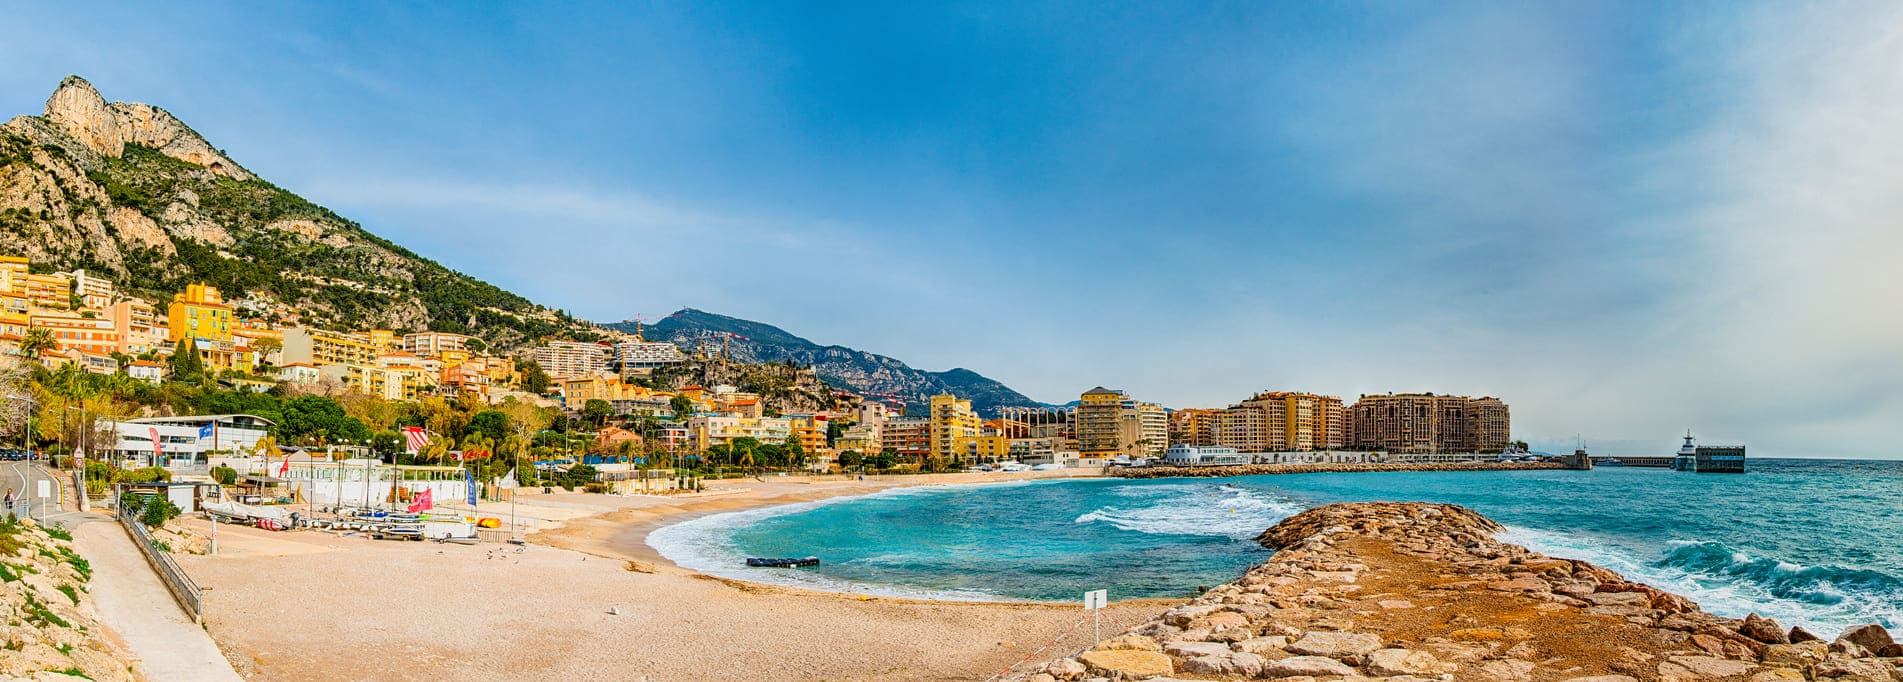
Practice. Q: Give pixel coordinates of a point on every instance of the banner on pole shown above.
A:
(469, 483)
(1096, 599)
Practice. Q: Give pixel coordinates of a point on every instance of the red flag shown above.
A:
(422, 502)
(286, 468)
(158, 447)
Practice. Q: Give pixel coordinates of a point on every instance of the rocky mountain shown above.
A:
(129, 191)
(871, 374)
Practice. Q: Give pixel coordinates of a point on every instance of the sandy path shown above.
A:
(594, 603)
(131, 600)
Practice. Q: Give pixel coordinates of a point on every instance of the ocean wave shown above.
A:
(1733, 583)
(1225, 511)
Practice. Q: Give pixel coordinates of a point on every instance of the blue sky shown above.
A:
(1624, 219)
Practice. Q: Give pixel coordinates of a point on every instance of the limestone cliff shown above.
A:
(129, 191)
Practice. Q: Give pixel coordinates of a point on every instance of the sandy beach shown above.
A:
(587, 599)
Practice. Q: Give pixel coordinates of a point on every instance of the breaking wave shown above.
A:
(1733, 583)
(1225, 511)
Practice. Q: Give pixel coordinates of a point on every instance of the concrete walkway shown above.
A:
(134, 603)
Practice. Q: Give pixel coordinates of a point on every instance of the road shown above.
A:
(128, 594)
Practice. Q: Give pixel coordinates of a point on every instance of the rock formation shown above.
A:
(50, 629)
(1410, 591)
(77, 109)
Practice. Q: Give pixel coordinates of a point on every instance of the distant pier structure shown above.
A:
(1578, 461)
(1709, 459)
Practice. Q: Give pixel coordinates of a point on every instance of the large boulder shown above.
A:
(1335, 644)
(1307, 666)
(1870, 636)
(1763, 629)
(1391, 662)
(1130, 664)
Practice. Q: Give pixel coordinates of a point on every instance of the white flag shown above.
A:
(508, 481)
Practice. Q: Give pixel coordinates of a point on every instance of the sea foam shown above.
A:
(1194, 509)
(1732, 583)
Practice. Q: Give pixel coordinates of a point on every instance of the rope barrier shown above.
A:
(1066, 634)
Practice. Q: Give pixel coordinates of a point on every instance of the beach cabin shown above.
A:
(1180, 455)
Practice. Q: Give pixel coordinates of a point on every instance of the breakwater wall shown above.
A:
(1319, 467)
(1421, 592)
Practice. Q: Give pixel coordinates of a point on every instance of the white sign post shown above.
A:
(45, 490)
(1094, 601)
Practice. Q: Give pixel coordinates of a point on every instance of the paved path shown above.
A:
(132, 601)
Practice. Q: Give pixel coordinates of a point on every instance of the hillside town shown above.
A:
(624, 401)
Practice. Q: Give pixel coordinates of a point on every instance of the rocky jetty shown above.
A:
(1411, 591)
(1318, 468)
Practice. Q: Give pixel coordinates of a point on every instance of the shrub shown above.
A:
(224, 475)
(147, 475)
(157, 511)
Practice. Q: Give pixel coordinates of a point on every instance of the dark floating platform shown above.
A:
(765, 562)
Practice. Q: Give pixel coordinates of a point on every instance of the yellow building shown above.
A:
(49, 291)
(200, 314)
(1099, 413)
(13, 275)
(982, 448)
(384, 340)
(950, 419)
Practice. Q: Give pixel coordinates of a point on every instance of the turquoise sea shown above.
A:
(1811, 542)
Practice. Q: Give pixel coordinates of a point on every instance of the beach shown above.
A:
(587, 599)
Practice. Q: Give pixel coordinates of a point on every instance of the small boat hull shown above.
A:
(772, 562)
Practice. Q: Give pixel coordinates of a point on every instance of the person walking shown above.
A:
(9, 500)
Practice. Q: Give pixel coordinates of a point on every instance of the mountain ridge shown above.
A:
(864, 372)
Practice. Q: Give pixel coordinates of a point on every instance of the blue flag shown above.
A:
(207, 430)
(469, 483)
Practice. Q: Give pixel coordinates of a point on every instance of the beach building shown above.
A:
(1196, 455)
(183, 444)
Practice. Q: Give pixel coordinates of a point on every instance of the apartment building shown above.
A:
(951, 420)
(200, 315)
(433, 344)
(138, 325)
(1279, 421)
(53, 291)
(13, 271)
(1099, 411)
(908, 436)
(1425, 422)
(320, 347)
(638, 358)
(198, 312)
(978, 449)
(95, 292)
(570, 359)
(1195, 426)
(92, 335)
(706, 431)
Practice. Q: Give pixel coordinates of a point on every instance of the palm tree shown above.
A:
(38, 340)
